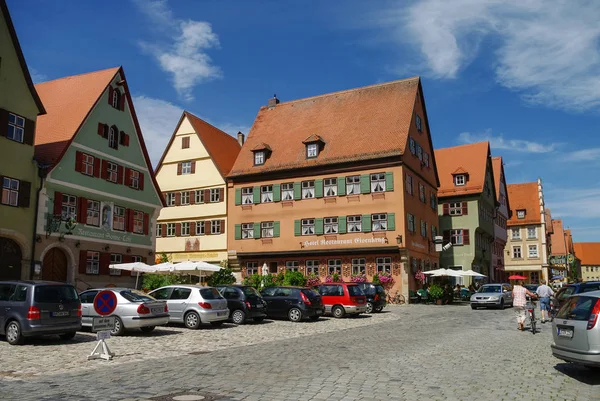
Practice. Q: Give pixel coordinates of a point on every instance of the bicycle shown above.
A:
(396, 299)
(532, 319)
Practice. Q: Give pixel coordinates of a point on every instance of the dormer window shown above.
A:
(460, 179)
(521, 214)
(312, 150)
(114, 102)
(259, 158)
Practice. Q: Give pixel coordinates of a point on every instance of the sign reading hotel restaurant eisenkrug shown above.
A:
(355, 241)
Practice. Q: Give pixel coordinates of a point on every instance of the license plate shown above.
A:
(157, 311)
(60, 314)
(220, 313)
(320, 312)
(361, 302)
(565, 333)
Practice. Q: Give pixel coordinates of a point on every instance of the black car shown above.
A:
(293, 303)
(244, 303)
(33, 308)
(565, 292)
(375, 296)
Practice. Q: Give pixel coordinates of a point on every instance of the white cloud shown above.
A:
(499, 143)
(571, 202)
(185, 56)
(548, 53)
(592, 154)
(37, 76)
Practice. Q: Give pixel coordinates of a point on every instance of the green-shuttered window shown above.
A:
(318, 188)
(276, 229)
(238, 196)
(391, 221)
(238, 231)
(297, 191)
(389, 181)
(366, 223)
(341, 183)
(342, 224)
(365, 186)
(276, 192)
(297, 228)
(319, 226)
(256, 230)
(256, 195)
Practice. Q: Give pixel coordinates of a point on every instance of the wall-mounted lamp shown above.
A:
(38, 239)
(77, 244)
(399, 240)
(106, 248)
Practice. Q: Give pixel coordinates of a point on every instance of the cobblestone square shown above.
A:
(407, 353)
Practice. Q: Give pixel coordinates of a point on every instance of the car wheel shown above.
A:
(379, 309)
(295, 315)
(338, 312)
(258, 319)
(67, 336)
(238, 316)
(217, 324)
(501, 304)
(473, 306)
(369, 307)
(13, 333)
(118, 328)
(192, 320)
(147, 329)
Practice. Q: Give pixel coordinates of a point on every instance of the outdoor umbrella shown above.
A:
(436, 271)
(472, 273)
(138, 267)
(449, 272)
(517, 277)
(189, 267)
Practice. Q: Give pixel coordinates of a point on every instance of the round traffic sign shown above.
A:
(105, 302)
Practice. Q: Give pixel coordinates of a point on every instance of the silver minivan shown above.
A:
(193, 304)
(576, 330)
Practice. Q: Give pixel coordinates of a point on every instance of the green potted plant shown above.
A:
(436, 292)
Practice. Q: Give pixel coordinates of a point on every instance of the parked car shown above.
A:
(33, 308)
(293, 303)
(135, 310)
(244, 303)
(565, 292)
(342, 299)
(193, 305)
(532, 287)
(576, 330)
(375, 294)
(494, 295)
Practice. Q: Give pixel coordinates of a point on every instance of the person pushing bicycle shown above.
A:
(520, 301)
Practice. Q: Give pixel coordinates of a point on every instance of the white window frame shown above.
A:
(455, 209)
(113, 138)
(119, 219)
(215, 195)
(521, 214)
(359, 265)
(287, 191)
(198, 196)
(383, 264)
(10, 191)
(330, 187)
(170, 229)
(93, 213)
(312, 150)
(17, 123)
(460, 180)
(312, 267)
(114, 102)
(353, 185)
(87, 167)
(292, 265)
(170, 199)
(379, 222)
(185, 198)
(517, 231)
(534, 236)
(259, 158)
(186, 168)
(200, 227)
(266, 229)
(534, 254)
(330, 225)
(115, 258)
(517, 250)
(334, 266)
(457, 236)
(135, 179)
(215, 227)
(378, 182)
(159, 230)
(112, 172)
(308, 226)
(92, 263)
(266, 193)
(247, 230)
(354, 224)
(308, 189)
(185, 229)
(251, 268)
(247, 196)
(69, 207)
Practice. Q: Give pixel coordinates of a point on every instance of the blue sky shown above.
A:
(517, 73)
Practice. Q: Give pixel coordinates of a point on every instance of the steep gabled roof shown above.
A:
(524, 197)
(471, 159)
(498, 166)
(588, 252)
(221, 147)
(24, 69)
(68, 102)
(360, 124)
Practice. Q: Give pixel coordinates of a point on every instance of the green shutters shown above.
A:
(238, 231)
(297, 191)
(391, 221)
(342, 225)
(366, 223)
(318, 188)
(256, 230)
(389, 181)
(341, 186)
(276, 192)
(319, 226)
(238, 196)
(256, 195)
(297, 228)
(365, 185)
(276, 229)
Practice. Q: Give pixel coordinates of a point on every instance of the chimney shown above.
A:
(273, 101)
(240, 138)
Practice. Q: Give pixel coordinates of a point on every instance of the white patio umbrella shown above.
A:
(436, 271)
(473, 273)
(189, 267)
(138, 267)
(449, 272)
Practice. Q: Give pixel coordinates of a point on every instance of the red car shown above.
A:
(341, 299)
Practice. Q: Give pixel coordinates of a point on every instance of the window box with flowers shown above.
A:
(385, 279)
(358, 278)
(312, 280)
(334, 278)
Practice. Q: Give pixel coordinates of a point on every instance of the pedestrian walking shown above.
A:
(544, 292)
(519, 301)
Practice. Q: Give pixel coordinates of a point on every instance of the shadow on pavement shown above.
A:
(55, 340)
(580, 373)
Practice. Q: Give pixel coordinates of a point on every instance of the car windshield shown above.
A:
(355, 291)
(380, 289)
(136, 296)
(55, 294)
(250, 291)
(577, 308)
(566, 293)
(490, 288)
(531, 287)
(210, 293)
(310, 293)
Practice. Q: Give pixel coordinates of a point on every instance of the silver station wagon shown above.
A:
(193, 304)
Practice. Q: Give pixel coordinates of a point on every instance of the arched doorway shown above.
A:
(10, 259)
(54, 266)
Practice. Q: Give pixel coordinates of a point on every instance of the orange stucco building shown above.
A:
(339, 183)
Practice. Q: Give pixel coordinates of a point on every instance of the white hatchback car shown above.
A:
(193, 304)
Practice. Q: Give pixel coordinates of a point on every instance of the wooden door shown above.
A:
(54, 266)
(10, 260)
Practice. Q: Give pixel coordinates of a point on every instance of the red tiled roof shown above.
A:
(468, 159)
(588, 252)
(557, 238)
(524, 197)
(358, 124)
(221, 147)
(68, 101)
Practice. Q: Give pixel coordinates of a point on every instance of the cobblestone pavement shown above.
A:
(409, 353)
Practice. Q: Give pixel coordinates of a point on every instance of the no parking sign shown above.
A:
(105, 303)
